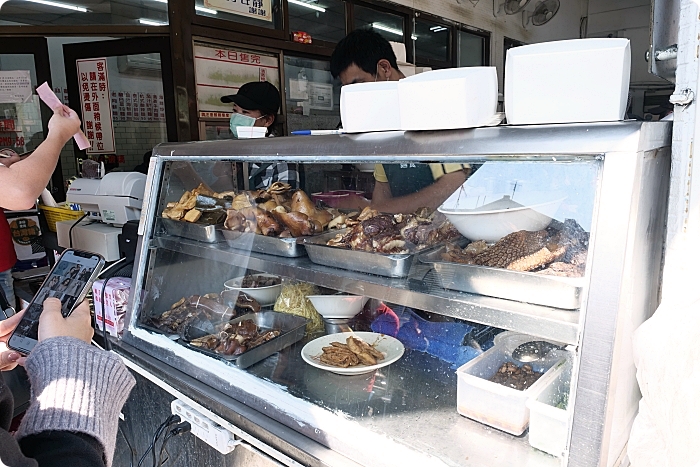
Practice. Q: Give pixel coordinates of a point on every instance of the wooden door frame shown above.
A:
(117, 47)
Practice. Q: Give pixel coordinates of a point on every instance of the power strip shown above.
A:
(205, 429)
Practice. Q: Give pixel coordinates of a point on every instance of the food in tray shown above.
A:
(560, 250)
(204, 310)
(251, 281)
(397, 233)
(235, 338)
(516, 377)
(294, 300)
(200, 205)
(353, 352)
(278, 212)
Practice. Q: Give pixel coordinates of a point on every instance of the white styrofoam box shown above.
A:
(494, 404)
(370, 107)
(251, 132)
(579, 80)
(549, 425)
(448, 99)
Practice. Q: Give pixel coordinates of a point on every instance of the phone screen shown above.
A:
(67, 281)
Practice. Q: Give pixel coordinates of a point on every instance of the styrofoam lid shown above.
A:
(371, 86)
(450, 73)
(570, 45)
(399, 49)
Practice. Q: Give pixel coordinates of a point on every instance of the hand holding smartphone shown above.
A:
(69, 281)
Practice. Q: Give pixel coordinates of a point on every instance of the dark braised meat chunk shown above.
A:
(234, 339)
(516, 377)
(382, 223)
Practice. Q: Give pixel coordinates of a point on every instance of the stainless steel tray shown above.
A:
(293, 329)
(290, 247)
(198, 232)
(354, 260)
(557, 292)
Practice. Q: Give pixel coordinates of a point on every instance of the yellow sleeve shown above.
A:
(379, 174)
(439, 170)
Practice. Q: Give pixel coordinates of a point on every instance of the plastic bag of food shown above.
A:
(293, 299)
(668, 371)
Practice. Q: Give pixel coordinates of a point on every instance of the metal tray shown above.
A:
(289, 247)
(293, 329)
(557, 292)
(198, 232)
(354, 260)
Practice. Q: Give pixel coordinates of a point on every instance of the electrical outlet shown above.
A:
(205, 429)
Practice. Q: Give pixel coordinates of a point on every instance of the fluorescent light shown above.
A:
(381, 27)
(435, 27)
(61, 5)
(438, 28)
(208, 11)
(150, 22)
(308, 5)
(414, 37)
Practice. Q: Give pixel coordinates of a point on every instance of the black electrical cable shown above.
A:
(70, 231)
(171, 420)
(132, 451)
(180, 428)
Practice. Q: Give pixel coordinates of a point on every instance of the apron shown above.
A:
(405, 179)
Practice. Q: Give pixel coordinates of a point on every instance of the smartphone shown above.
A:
(69, 280)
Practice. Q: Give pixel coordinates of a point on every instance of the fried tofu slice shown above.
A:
(193, 215)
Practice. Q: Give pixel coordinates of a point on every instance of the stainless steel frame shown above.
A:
(626, 246)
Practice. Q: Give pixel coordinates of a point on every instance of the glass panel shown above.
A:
(21, 128)
(388, 25)
(262, 13)
(137, 104)
(81, 12)
(471, 49)
(432, 41)
(195, 279)
(313, 96)
(221, 71)
(323, 19)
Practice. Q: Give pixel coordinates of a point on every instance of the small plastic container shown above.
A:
(494, 404)
(549, 425)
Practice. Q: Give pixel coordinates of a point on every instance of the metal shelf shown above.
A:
(419, 290)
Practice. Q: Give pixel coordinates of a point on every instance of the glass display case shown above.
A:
(475, 309)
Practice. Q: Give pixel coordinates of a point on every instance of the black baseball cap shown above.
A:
(260, 95)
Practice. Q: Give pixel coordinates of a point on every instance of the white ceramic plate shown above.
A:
(391, 348)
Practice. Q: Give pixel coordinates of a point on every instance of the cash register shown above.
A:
(109, 204)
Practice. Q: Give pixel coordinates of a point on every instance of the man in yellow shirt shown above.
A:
(365, 56)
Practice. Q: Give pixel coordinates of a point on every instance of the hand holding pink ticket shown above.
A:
(46, 94)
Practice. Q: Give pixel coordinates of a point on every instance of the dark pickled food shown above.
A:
(516, 377)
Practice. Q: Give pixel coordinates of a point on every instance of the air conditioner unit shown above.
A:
(142, 64)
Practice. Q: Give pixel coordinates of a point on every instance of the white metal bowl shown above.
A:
(338, 306)
(266, 296)
(493, 221)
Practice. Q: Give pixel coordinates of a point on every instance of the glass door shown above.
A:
(123, 89)
(24, 64)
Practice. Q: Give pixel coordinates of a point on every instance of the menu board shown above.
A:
(258, 9)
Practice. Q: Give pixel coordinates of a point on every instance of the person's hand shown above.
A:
(53, 324)
(64, 123)
(8, 358)
(8, 161)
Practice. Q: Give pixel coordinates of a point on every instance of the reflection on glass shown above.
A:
(388, 25)
(313, 96)
(322, 19)
(471, 49)
(262, 13)
(80, 12)
(432, 41)
(21, 128)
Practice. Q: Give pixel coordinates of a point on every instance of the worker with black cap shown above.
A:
(257, 104)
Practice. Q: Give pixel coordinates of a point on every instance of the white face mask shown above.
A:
(237, 120)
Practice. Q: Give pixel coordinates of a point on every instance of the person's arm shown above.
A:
(77, 393)
(23, 181)
(429, 197)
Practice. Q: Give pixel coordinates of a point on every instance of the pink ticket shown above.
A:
(46, 94)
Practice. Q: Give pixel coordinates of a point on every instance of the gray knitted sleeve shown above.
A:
(78, 388)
